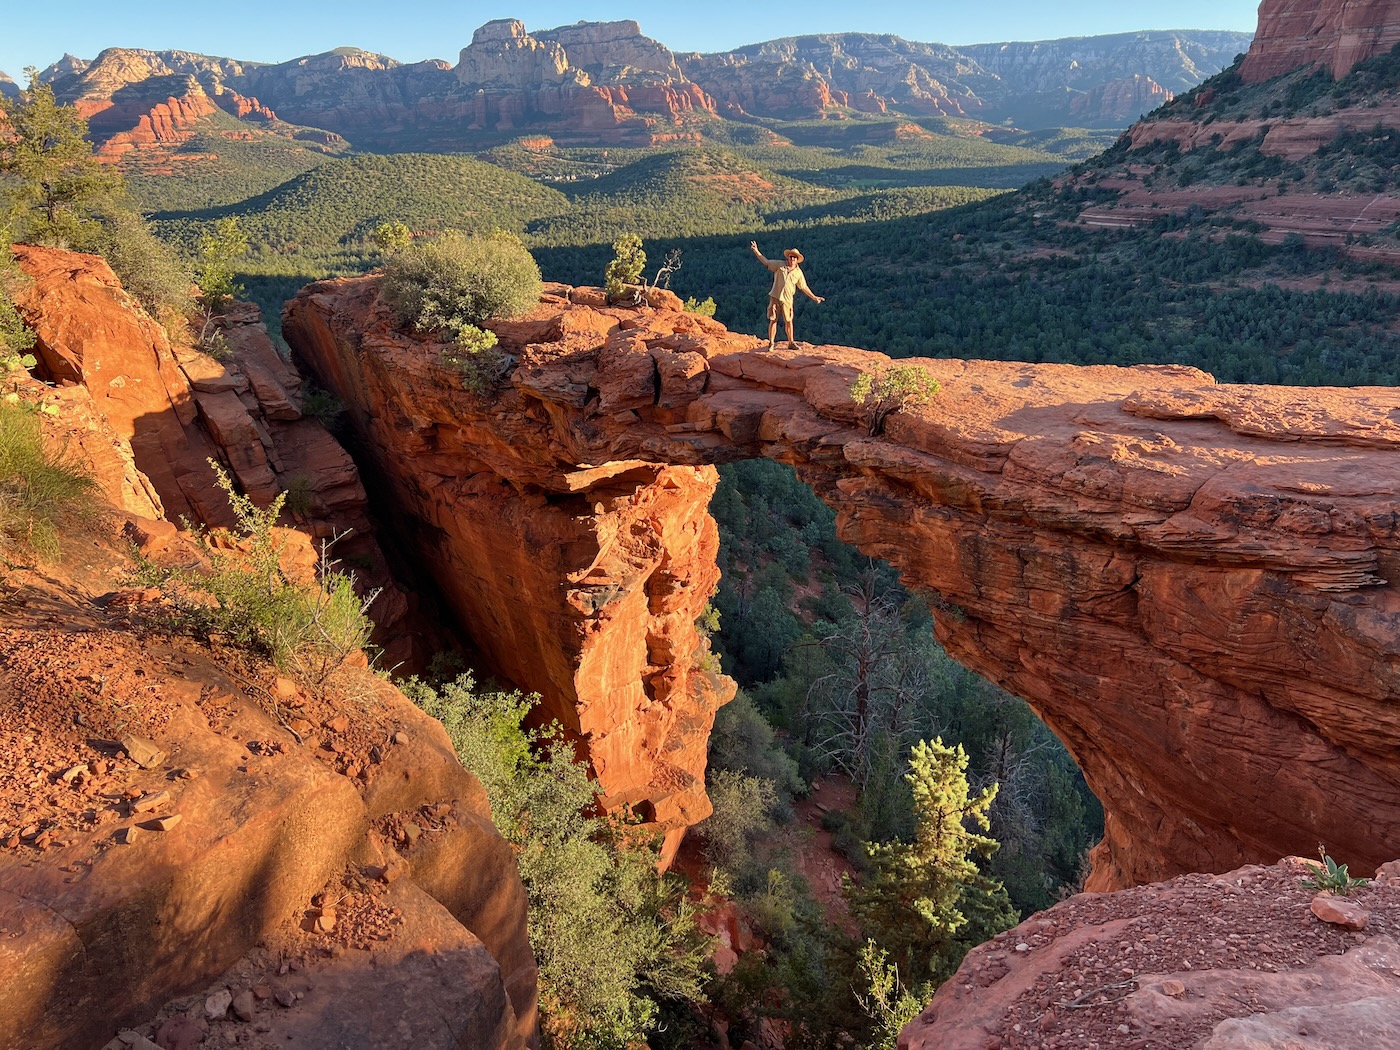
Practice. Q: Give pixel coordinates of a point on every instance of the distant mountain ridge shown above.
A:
(1300, 141)
(605, 83)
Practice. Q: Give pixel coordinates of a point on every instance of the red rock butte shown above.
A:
(1192, 583)
(1334, 35)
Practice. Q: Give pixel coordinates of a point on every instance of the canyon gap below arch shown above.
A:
(1189, 582)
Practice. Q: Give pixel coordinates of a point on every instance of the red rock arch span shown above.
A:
(1191, 583)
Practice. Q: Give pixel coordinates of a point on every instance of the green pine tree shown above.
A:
(926, 902)
(56, 185)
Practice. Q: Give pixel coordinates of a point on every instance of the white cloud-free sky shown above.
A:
(38, 33)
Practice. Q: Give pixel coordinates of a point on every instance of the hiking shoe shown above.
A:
(792, 346)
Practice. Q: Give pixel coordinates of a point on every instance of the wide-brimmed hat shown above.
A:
(793, 253)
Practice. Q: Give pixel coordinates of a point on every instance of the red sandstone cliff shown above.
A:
(143, 105)
(189, 843)
(579, 578)
(1333, 34)
(1195, 585)
(175, 408)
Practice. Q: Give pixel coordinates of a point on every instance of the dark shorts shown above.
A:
(777, 308)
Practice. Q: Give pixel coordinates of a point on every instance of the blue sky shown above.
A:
(260, 30)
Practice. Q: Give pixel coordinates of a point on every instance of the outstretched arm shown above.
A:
(753, 247)
(809, 293)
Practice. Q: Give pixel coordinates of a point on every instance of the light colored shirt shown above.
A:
(786, 281)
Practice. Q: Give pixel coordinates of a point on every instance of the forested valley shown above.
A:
(944, 246)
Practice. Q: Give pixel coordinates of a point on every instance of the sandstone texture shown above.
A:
(1334, 35)
(579, 581)
(143, 106)
(150, 414)
(1229, 962)
(175, 812)
(1193, 584)
(169, 812)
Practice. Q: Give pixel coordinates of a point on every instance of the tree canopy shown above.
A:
(53, 183)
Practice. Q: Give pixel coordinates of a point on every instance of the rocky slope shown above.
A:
(1270, 147)
(1238, 961)
(8, 87)
(159, 412)
(1193, 584)
(606, 83)
(174, 813)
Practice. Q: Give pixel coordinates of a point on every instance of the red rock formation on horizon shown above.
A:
(1119, 100)
(604, 83)
(1332, 34)
(1193, 584)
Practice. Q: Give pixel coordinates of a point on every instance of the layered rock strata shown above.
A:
(579, 581)
(605, 83)
(161, 411)
(1334, 35)
(1191, 583)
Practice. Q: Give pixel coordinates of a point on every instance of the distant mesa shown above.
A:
(605, 83)
(8, 87)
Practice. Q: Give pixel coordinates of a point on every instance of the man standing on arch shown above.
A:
(787, 279)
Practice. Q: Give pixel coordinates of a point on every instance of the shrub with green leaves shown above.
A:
(1331, 877)
(392, 237)
(149, 269)
(219, 248)
(246, 595)
(16, 339)
(40, 492)
(612, 938)
(626, 266)
(886, 1001)
(892, 389)
(451, 285)
(322, 406)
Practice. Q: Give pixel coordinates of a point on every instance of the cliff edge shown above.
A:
(1196, 585)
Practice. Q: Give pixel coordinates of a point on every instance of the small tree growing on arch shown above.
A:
(892, 388)
(626, 267)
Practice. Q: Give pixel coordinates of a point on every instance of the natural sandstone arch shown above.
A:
(1189, 582)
